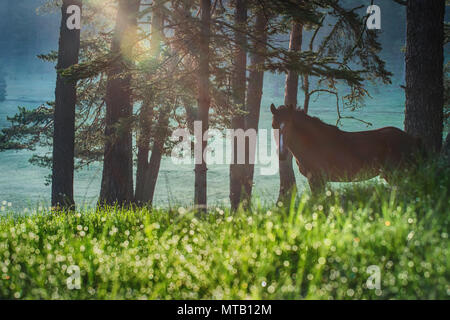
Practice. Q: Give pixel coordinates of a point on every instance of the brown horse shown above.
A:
(326, 153)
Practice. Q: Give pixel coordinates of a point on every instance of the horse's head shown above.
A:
(282, 120)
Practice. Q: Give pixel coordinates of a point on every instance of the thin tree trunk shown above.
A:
(254, 95)
(237, 171)
(424, 71)
(204, 100)
(147, 113)
(64, 114)
(151, 175)
(143, 144)
(287, 177)
(307, 94)
(117, 179)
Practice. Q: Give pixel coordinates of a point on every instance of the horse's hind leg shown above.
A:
(317, 184)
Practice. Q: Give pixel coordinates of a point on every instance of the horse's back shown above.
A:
(381, 135)
(399, 146)
(381, 147)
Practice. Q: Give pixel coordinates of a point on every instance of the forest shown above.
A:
(138, 71)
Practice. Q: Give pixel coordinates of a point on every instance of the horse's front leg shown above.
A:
(317, 184)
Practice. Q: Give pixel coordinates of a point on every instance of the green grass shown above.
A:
(316, 248)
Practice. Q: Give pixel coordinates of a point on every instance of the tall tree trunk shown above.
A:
(254, 95)
(117, 179)
(424, 71)
(204, 100)
(287, 177)
(237, 171)
(143, 144)
(152, 172)
(64, 114)
(147, 113)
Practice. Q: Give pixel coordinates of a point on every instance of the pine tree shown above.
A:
(144, 191)
(237, 170)
(204, 100)
(287, 178)
(117, 178)
(254, 94)
(64, 113)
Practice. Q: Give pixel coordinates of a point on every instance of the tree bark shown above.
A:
(237, 171)
(254, 95)
(152, 172)
(143, 144)
(117, 179)
(287, 177)
(424, 71)
(146, 115)
(307, 93)
(204, 99)
(64, 114)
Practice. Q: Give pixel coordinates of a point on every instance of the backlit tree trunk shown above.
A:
(287, 177)
(143, 143)
(424, 71)
(117, 179)
(152, 172)
(64, 114)
(204, 100)
(146, 115)
(237, 171)
(254, 95)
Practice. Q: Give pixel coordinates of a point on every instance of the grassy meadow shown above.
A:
(313, 248)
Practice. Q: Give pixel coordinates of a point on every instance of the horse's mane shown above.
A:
(300, 115)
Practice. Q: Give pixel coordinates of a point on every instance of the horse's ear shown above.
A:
(273, 109)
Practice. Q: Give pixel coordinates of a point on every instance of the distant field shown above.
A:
(317, 248)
